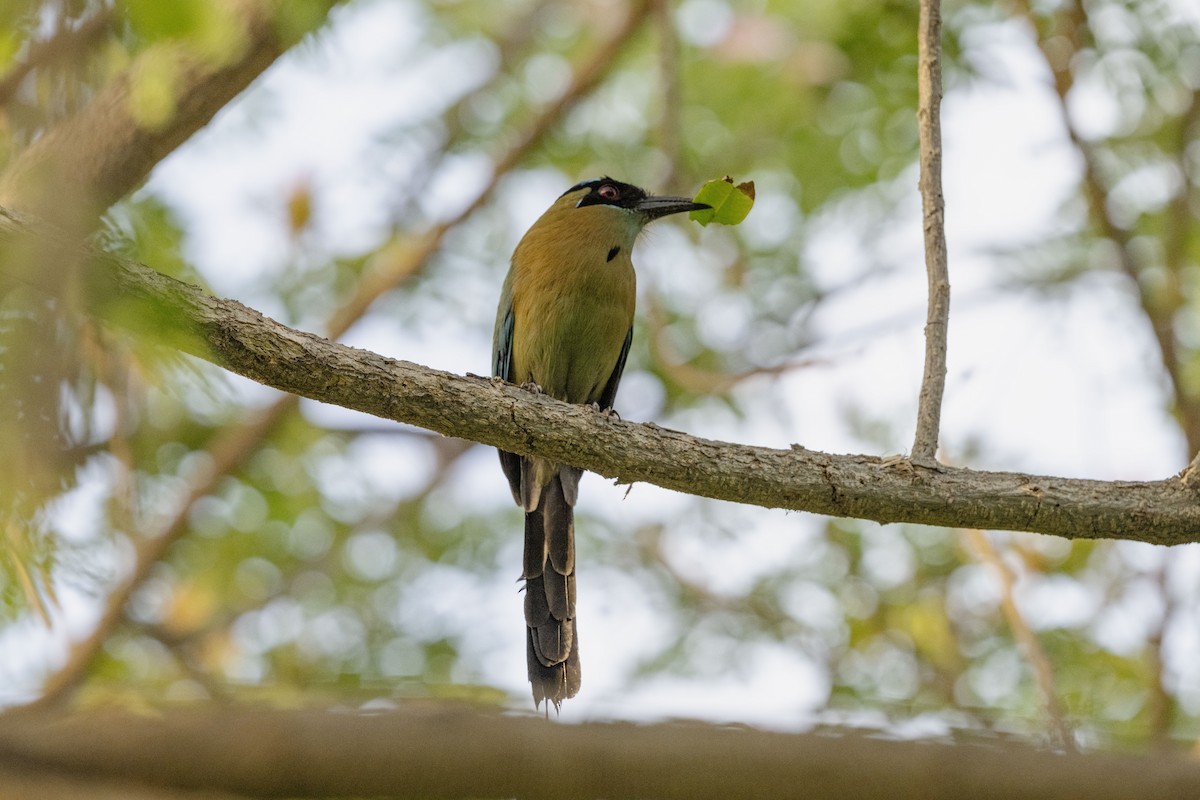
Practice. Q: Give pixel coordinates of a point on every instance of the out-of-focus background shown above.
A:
(321, 556)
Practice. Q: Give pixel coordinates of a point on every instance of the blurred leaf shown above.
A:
(299, 208)
(297, 18)
(154, 20)
(154, 88)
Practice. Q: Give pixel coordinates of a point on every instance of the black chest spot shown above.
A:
(613, 253)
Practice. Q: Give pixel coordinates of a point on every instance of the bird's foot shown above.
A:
(607, 413)
(532, 387)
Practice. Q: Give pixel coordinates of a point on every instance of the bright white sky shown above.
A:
(1065, 386)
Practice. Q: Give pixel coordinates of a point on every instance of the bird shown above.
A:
(563, 328)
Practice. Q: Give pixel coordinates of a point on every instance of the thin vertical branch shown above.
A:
(1026, 639)
(929, 131)
(1178, 241)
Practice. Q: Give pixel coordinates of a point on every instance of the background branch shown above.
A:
(66, 43)
(1043, 673)
(102, 153)
(1161, 704)
(230, 450)
(1161, 308)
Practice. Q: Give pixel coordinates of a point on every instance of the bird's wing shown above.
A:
(609, 395)
(502, 344)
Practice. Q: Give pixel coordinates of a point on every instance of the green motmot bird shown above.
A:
(564, 323)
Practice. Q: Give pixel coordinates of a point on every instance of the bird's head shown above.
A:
(608, 202)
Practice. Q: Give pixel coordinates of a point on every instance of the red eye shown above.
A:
(608, 192)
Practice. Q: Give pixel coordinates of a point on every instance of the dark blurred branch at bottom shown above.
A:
(449, 752)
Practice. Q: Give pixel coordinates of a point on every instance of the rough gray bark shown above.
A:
(434, 751)
(244, 341)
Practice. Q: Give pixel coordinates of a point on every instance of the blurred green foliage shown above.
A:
(354, 561)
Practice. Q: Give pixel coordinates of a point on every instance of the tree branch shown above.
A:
(929, 132)
(100, 154)
(1027, 640)
(66, 43)
(1161, 705)
(227, 453)
(55, 786)
(454, 753)
(1161, 308)
(244, 341)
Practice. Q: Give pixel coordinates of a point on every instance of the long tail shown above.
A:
(552, 643)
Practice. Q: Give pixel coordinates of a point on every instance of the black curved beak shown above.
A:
(655, 207)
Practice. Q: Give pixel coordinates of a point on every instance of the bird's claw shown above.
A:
(531, 387)
(607, 413)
